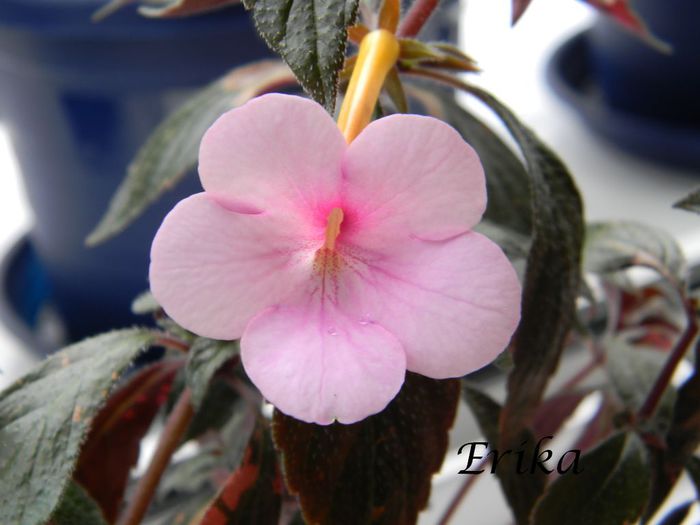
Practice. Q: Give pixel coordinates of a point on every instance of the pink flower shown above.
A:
(338, 266)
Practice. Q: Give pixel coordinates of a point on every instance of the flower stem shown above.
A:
(461, 494)
(416, 17)
(175, 427)
(657, 391)
(379, 51)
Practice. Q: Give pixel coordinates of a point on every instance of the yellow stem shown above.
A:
(379, 51)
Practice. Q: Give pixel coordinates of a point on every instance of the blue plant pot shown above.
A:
(79, 100)
(637, 79)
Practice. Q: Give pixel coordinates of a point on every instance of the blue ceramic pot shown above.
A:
(637, 79)
(79, 99)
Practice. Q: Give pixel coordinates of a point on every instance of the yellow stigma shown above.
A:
(379, 51)
(335, 218)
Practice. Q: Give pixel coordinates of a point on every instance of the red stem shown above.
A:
(175, 427)
(461, 494)
(416, 17)
(664, 378)
(172, 343)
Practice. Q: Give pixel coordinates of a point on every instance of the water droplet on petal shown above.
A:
(332, 330)
(365, 320)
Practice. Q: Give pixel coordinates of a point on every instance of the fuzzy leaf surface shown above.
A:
(310, 35)
(46, 415)
(377, 470)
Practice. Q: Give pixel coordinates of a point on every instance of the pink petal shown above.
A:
(317, 365)
(453, 304)
(411, 176)
(213, 269)
(274, 152)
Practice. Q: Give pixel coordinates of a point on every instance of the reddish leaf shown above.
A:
(519, 7)
(552, 413)
(622, 12)
(375, 471)
(252, 495)
(178, 8)
(112, 446)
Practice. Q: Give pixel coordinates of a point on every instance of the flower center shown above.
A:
(335, 218)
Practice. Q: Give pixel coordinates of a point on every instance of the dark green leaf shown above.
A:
(45, 416)
(521, 490)
(252, 495)
(217, 407)
(552, 282)
(113, 443)
(553, 273)
(77, 507)
(633, 372)
(690, 202)
(684, 436)
(374, 471)
(613, 246)
(693, 468)
(611, 489)
(485, 409)
(172, 149)
(206, 357)
(677, 515)
(310, 35)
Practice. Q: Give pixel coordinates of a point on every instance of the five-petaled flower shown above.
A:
(339, 266)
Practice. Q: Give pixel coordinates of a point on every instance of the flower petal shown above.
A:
(411, 176)
(213, 269)
(317, 365)
(274, 151)
(454, 304)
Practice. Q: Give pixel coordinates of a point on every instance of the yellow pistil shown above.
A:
(379, 51)
(335, 218)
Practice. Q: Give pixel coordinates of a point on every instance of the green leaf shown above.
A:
(690, 202)
(693, 468)
(45, 416)
(144, 304)
(377, 470)
(205, 358)
(310, 35)
(614, 246)
(552, 278)
(521, 496)
(611, 489)
(633, 372)
(172, 150)
(77, 507)
(678, 514)
(113, 444)
(552, 282)
(684, 435)
(252, 495)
